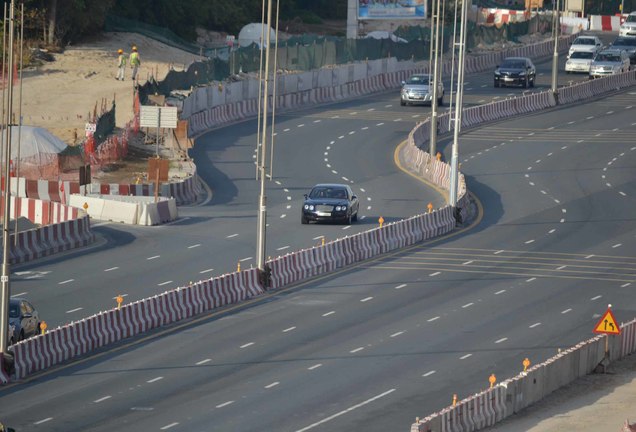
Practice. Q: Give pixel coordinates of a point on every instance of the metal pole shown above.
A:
(17, 159)
(260, 91)
(262, 209)
(433, 137)
(452, 196)
(158, 123)
(450, 107)
(6, 241)
(555, 56)
(4, 75)
(271, 152)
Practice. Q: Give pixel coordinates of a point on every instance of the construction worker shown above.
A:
(134, 62)
(121, 65)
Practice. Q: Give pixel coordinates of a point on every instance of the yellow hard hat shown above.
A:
(120, 51)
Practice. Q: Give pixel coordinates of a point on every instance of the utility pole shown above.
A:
(454, 180)
(435, 77)
(555, 56)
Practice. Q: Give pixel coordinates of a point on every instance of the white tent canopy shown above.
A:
(251, 33)
(34, 141)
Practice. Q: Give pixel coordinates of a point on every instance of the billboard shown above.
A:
(391, 9)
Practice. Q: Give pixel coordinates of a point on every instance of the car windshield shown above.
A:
(628, 41)
(328, 192)
(584, 41)
(631, 18)
(513, 64)
(608, 58)
(14, 311)
(582, 55)
(418, 79)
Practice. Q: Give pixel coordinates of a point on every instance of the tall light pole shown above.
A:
(6, 241)
(555, 56)
(435, 76)
(454, 180)
(262, 199)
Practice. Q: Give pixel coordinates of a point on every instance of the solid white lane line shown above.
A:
(498, 341)
(246, 259)
(224, 404)
(467, 305)
(354, 407)
(464, 357)
(206, 271)
(316, 366)
(500, 292)
(74, 310)
(111, 269)
(232, 235)
(164, 283)
(596, 298)
(429, 373)
(102, 399)
(194, 246)
(535, 325)
(155, 257)
(289, 329)
(356, 350)
(435, 274)
(169, 426)
(274, 384)
(433, 319)
(366, 299)
(530, 280)
(247, 345)
(329, 313)
(39, 422)
(154, 380)
(566, 311)
(65, 282)
(202, 362)
(397, 334)
(400, 286)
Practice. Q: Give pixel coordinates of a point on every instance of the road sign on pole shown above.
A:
(607, 324)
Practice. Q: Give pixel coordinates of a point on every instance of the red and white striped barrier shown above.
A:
(605, 23)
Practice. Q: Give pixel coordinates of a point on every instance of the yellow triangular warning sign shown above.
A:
(607, 324)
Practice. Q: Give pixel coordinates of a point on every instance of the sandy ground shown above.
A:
(59, 95)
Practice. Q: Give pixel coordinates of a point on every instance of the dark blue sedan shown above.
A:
(330, 202)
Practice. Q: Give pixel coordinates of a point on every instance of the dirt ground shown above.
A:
(59, 95)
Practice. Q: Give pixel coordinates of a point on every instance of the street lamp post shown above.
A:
(435, 76)
(555, 56)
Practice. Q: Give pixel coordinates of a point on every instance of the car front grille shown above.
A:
(324, 208)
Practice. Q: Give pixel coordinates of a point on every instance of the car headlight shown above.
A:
(341, 208)
(497, 73)
(309, 207)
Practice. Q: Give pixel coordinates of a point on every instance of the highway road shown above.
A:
(375, 345)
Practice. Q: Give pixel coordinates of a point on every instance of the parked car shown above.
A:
(609, 62)
(418, 89)
(579, 61)
(516, 71)
(628, 28)
(24, 318)
(330, 202)
(627, 44)
(586, 43)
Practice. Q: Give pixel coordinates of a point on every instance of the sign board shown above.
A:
(155, 164)
(534, 4)
(405, 9)
(607, 324)
(574, 5)
(158, 117)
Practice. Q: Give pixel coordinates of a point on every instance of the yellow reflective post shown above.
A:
(492, 379)
(323, 241)
(43, 327)
(430, 207)
(454, 399)
(119, 300)
(438, 156)
(381, 221)
(526, 363)
(85, 206)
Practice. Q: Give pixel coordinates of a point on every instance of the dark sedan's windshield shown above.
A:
(513, 64)
(582, 55)
(328, 192)
(608, 58)
(14, 311)
(584, 41)
(418, 80)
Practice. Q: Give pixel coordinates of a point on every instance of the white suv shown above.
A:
(628, 28)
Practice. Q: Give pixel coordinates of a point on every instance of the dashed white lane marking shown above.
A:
(362, 190)
(19, 294)
(155, 257)
(544, 192)
(561, 268)
(39, 422)
(589, 118)
(464, 357)
(397, 120)
(206, 271)
(397, 334)
(283, 216)
(353, 351)
(435, 274)
(551, 231)
(224, 404)
(366, 299)
(617, 245)
(365, 128)
(318, 238)
(102, 399)
(571, 122)
(625, 285)
(535, 325)
(498, 341)
(202, 362)
(564, 147)
(301, 125)
(289, 329)
(316, 366)
(111, 269)
(328, 166)
(347, 227)
(150, 381)
(352, 132)
(74, 310)
(232, 235)
(433, 319)
(500, 292)
(354, 407)
(277, 182)
(368, 207)
(530, 241)
(596, 298)
(274, 384)
(388, 106)
(531, 279)
(164, 283)
(537, 161)
(194, 246)
(564, 210)
(589, 256)
(379, 124)
(549, 154)
(467, 305)
(557, 201)
(562, 220)
(400, 286)
(286, 130)
(566, 311)
(245, 259)
(65, 282)
(345, 179)
(122, 295)
(429, 373)
(282, 248)
(467, 262)
(622, 193)
(288, 198)
(329, 313)
(498, 252)
(531, 183)
(317, 121)
(580, 141)
(334, 171)
(609, 185)
(246, 345)
(169, 426)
